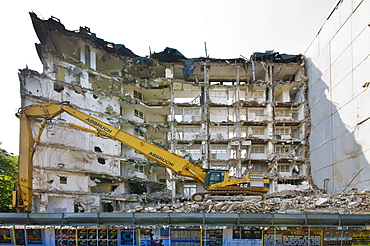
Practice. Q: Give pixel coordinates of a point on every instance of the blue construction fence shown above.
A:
(195, 236)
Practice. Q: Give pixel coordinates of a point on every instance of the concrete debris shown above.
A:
(321, 201)
(305, 202)
(159, 197)
(91, 183)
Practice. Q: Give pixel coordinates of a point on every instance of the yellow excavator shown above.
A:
(215, 182)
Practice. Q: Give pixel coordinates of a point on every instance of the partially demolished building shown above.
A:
(244, 115)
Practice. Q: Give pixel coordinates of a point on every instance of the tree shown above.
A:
(8, 168)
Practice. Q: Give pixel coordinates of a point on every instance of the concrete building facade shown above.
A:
(337, 63)
(244, 115)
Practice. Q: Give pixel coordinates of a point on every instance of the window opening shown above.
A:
(282, 149)
(258, 169)
(97, 149)
(138, 114)
(257, 111)
(62, 180)
(139, 169)
(258, 131)
(107, 207)
(78, 208)
(190, 190)
(138, 132)
(138, 95)
(282, 112)
(282, 131)
(284, 168)
(258, 149)
(87, 56)
(258, 94)
(219, 112)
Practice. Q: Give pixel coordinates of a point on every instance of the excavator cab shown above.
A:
(213, 176)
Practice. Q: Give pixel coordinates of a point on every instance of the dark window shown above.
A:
(107, 207)
(97, 149)
(139, 114)
(63, 180)
(138, 95)
(138, 132)
(87, 55)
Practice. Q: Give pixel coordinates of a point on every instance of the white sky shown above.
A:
(229, 27)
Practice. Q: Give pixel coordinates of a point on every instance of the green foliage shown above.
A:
(8, 167)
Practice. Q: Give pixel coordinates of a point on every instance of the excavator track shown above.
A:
(198, 197)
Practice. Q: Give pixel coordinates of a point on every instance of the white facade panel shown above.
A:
(360, 18)
(361, 75)
(342, 93)
(323, 60)
(328, 31)
(343, 172)
(60, 205)
(341, 41)
(312, 53)
(361, 47)
(345, 11)
(322, 112)
(315, 97)
(345, 147)
(338, 119)
(322, 157)
(362, 136)
(321, 134)
(323, 178)
(341, 67)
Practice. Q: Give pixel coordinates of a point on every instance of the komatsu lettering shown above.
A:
(97, 124)
(161, 159)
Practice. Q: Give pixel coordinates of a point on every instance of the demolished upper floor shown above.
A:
(109, 63)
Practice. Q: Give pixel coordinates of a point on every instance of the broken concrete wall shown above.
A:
(337, 64)
(68, 161)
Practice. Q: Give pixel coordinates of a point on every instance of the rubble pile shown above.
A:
(307, 202)
(159, 196)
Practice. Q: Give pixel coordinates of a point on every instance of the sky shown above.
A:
(230, 28)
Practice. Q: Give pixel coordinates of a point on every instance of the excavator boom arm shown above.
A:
(175, 163)
(167, 159)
